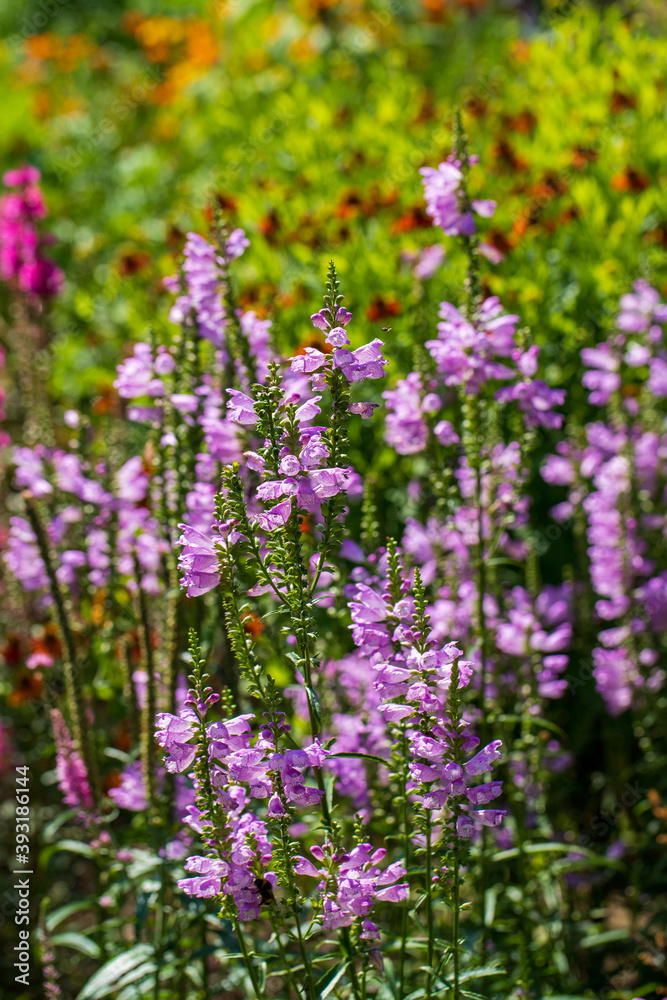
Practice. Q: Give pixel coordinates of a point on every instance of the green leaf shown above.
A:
(548, 848)
(485, 971)
(71, 939)
(143, 971)
(75, 847)
(115, 754)
(261, 969)
(328, 982)
(360, 756)
(51, 829)
(314, 703)
(115, 973)
(531, 720)
(604, 937)
(56, 918)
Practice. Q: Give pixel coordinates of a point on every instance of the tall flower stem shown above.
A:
(247, 959)
(456, 917)
(455, 714)
(150, 707)
(406, 851)
(430, 923)
(73, 686)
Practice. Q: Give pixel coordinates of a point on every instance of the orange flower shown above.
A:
(380, 308)
(28, 686)
(42, 46)
(520, 50)
(104, 401)
(504, 153)
(269, 226)
(621, 102)
(412, 218)
(253, 626)
(201, 46)
(630, 180)
(582, 156)
(523, 122)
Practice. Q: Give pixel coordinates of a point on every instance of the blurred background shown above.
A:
(307, 122)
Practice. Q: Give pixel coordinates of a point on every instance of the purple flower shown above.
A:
(616, 677)
(22, 557)
(136, 375)
(21, 248)
(657, 380)
(236, 244)
(406, 429)
(485, 759)
(276, 517)
(364, 410)
(211, 872)
(70, 769)
(442, 190)
(324, 320)
(310, 361)
(199, 561)
(602, 378)
(30, 472)
(173, 735)
(337, 337)
(466, 353)
(365, 362)
(558, 471)
(131, 793)
(241, 408)
(352, 883)
(428, 261)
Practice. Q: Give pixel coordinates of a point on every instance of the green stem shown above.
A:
(247, 960)
(481, 593)
(429, 910)
(406, 851)
(73, 686)
(150, 707)
(455, 931)
(350, 951)
(159, 931)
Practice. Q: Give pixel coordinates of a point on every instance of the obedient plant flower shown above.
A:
(621, 454)
(199, 560)
(70, 768)
(352, 884)
(21, 247)
(406, 422)
(446, 201)
(363, 363)
(22, 556)
(131, 793)
(201, 303)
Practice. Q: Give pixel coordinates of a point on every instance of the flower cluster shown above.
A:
(21, 247)
(620, 457)
(351, 884)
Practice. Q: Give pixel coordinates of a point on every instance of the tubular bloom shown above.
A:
(241, 768)
(621, 455)
(21, 256)
(351, 884)
(203, 273)
(446, 202)
(70, 769)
